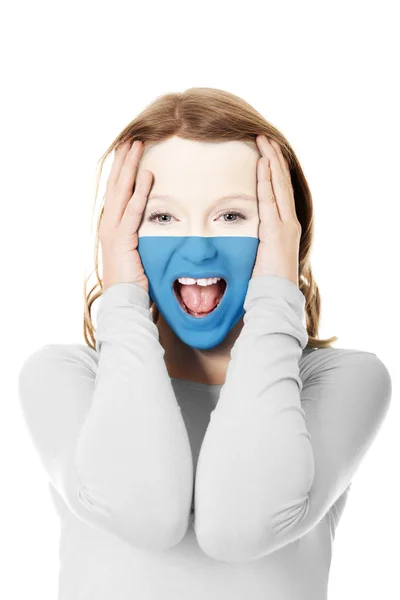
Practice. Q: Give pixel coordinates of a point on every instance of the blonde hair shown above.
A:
(213, 115)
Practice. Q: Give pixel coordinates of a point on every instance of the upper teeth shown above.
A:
(190, 281)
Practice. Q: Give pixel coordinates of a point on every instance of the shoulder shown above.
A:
(317, 359)
(352, 367)
(50, 355)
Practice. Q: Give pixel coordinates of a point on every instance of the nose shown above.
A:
(196, 249)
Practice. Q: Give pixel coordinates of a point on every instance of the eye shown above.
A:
(233, 212)
(154, 215)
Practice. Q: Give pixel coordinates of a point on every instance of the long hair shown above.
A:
(213, 115)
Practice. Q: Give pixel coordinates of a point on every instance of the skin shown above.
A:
(195, 174)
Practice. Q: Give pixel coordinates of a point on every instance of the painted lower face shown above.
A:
(167, 258)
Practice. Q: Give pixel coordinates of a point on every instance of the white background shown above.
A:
(74, 74)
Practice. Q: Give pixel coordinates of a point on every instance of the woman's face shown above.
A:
(194, 175)
(198, 235)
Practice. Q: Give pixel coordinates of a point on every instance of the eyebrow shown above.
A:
(235, 196)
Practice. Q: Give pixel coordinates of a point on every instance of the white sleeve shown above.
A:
(108, 428)
(281, 448)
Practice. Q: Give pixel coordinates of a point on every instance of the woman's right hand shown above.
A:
(122, 217)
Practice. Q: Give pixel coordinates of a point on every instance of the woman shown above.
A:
(203, 442)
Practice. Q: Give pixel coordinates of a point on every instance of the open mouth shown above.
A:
(177, 287)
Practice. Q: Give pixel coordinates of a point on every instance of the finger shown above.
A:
(286, 173)
(282, 161)
(280, 184)
(129, 169)
(267, 206)
(135, 208)
(119, 157)
(118, 195)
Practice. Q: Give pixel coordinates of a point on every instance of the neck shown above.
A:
(203, 366)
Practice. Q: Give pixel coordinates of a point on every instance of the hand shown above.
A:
(279, 229)
(123, 213)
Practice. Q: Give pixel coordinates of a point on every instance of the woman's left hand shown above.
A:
(279, 228)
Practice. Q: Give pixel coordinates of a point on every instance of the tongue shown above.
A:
(201, 299)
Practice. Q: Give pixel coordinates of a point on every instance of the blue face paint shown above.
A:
(166, 258)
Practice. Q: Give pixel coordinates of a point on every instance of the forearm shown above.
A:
(133, 455)
(256, 458)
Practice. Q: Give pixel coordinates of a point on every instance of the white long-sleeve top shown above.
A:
(169, 488)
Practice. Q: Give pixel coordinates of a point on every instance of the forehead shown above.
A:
(195, 171)
(178, 153)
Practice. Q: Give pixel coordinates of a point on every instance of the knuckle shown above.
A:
(139, 188)
(283, 182)
(296, 226)
(278, 233)
(132, 206)
(118, 191)
(141, 181)
(292, 225)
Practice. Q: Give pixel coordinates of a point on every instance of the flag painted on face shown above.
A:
(166, 258)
